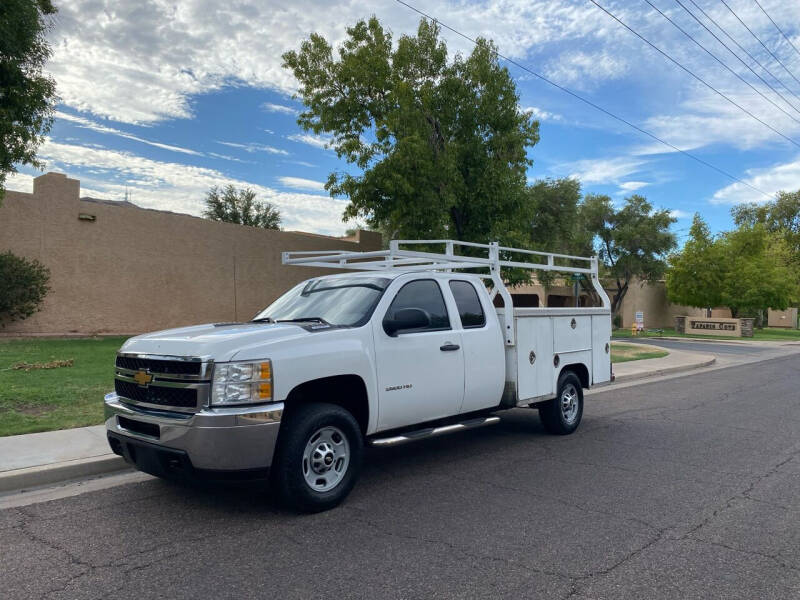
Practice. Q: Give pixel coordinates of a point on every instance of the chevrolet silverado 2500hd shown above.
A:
(405, 344)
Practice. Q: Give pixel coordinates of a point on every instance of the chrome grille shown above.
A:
(167, 367)
(163, 382)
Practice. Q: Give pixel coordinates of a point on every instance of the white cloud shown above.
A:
(312, 140)
(94, 126)
(19, 182)
(603, 170)
(780, 177)
(578, 68)
(252, 147)
(302, 184)
(680, 214)
(632, 186)
(148, 58)
(180, 187)
(542, 115)
(278, 108)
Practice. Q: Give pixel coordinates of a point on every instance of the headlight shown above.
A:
(242, 383)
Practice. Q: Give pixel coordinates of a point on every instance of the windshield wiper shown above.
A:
(263, 320)
(304, 320)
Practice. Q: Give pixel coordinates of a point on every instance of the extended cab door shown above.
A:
(420, 371)
(482, 343)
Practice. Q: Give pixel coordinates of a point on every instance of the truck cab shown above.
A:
(376, 355)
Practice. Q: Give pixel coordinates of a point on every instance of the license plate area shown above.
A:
(140, 427)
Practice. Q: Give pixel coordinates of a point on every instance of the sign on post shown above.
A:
(639, 320)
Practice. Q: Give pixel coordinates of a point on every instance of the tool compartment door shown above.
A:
(534, 357)
(572, 334)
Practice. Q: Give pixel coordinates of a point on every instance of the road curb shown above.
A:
(739, 342)
(31, 477)
(666, 370)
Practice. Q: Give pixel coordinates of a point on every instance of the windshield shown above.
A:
(347, 301)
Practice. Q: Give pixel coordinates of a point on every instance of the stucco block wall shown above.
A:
(133, 270)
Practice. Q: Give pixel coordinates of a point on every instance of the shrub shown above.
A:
(23, 286)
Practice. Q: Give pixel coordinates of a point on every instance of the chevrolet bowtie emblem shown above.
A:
(143, 378)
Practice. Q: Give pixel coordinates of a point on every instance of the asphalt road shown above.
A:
(686, 488)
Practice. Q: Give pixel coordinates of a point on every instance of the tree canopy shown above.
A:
(749, 270)
(631, 242)
(438, 145)
(240, 206)
(27, 96)
(692, 278)
(780, 216)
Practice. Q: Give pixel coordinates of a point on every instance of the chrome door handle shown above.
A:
(448, 347)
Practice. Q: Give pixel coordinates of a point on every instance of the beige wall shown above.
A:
(660, 313)
(134, 270)
(782, 318)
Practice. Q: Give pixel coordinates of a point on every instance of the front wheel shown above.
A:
(318, 457)
(562, 414)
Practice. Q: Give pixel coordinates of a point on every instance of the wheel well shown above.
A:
(347, 391)
(580, 370)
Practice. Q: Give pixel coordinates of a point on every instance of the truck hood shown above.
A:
(219, 341)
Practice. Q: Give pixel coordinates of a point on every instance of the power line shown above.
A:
(590, 103)
(692, 73)
(712, 55)
(778, 28)
(743, 49)
(778, 60)
(728, 48)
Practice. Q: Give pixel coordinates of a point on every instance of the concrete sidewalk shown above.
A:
(676, 361)
(41, 459)
(38, 459)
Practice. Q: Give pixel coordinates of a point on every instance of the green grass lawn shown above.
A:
(57, 398)
(768, 334)
(627, 352)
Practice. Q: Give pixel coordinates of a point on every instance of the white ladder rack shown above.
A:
(398, 259)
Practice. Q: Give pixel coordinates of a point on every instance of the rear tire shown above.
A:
(318, 458)
(562, 414)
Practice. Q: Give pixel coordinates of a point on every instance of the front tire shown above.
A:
(318, 457)
(562, 414)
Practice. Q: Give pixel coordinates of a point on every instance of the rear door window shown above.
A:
(469, 304)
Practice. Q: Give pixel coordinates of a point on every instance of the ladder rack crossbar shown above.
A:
(399, 259)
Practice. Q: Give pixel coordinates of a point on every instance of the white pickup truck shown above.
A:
(405, 344)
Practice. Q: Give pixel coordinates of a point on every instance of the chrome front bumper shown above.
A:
(214, 439)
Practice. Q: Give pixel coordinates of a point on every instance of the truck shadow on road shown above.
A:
(418, 463)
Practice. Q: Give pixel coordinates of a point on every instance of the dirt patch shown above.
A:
(53, 364)
(30, 410)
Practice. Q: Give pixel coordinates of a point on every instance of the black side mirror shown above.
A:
(406, 318)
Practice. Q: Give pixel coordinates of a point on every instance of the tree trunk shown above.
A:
(616, 301)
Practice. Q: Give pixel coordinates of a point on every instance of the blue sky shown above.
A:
(165, 100)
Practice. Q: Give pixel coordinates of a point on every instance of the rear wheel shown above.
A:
(318, 458)
(562, 414)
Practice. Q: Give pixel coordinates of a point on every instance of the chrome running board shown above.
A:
(420, 434)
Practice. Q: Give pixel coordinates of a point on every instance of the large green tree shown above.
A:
(781, 216)
(552, 217)
(438, 146)
(27, 96)
(240, 206)
(759, 271)
(748, 270)
(631, 242)
(695, 276)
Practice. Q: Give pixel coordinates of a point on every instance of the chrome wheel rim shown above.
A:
(325, 459)
(570, 402)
